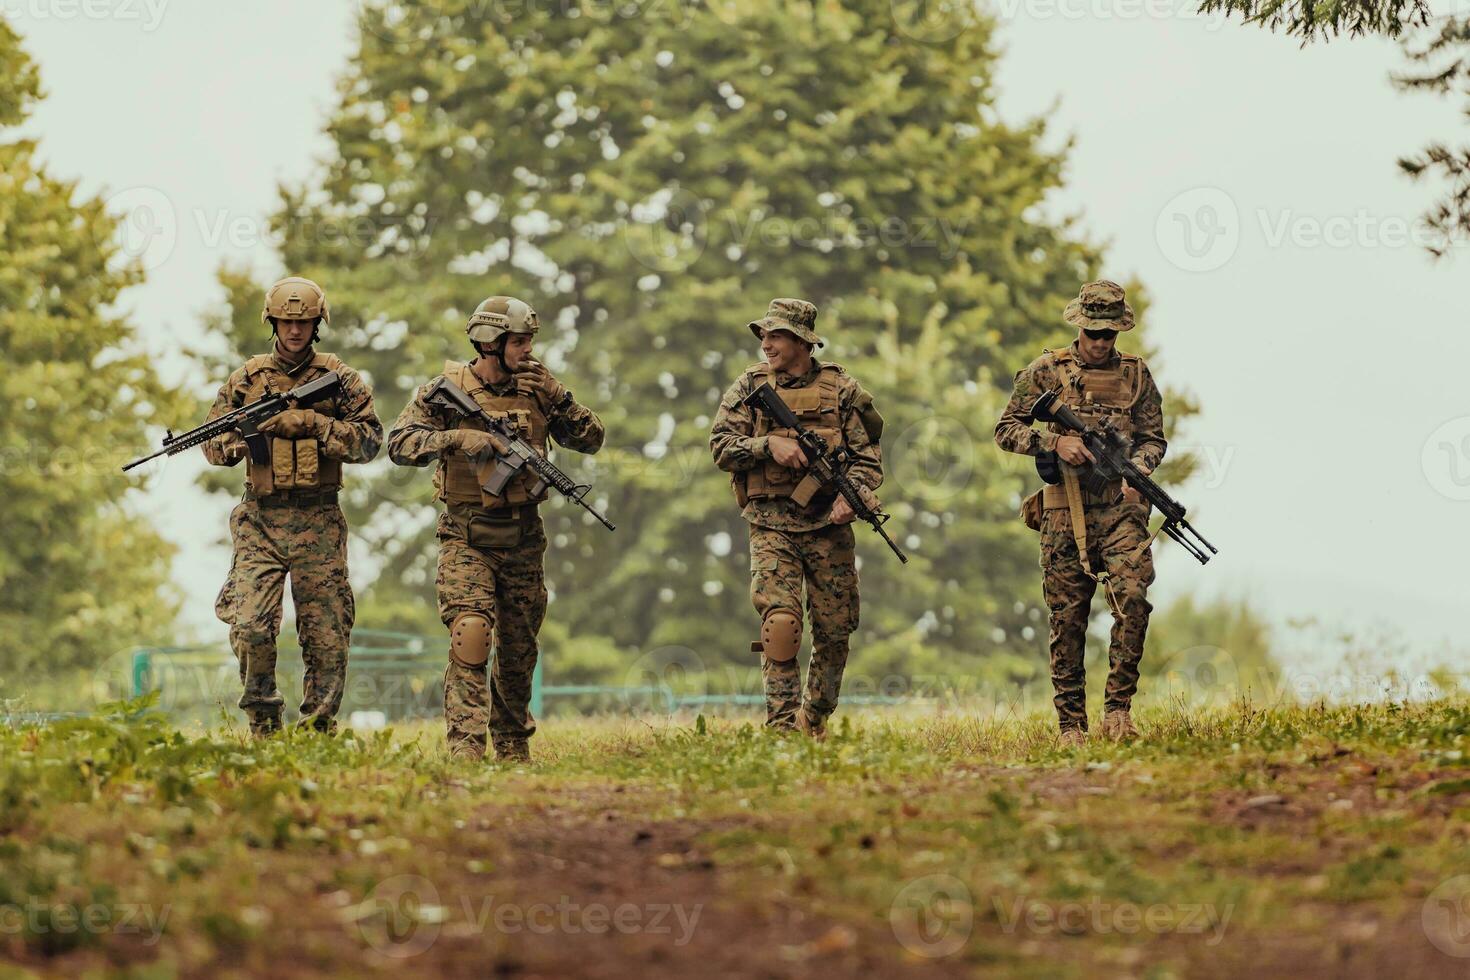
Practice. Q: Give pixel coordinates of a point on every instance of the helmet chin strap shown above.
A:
(316, 330)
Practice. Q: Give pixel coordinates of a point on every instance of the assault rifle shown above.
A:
(825, 465)
(1110, 450)
(519, 455)
(245, 420)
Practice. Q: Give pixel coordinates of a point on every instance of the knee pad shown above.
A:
(781, 635)
(469, 640)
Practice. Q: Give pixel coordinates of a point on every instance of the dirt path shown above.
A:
(592, 890)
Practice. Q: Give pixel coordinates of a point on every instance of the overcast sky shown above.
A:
(1249, 183)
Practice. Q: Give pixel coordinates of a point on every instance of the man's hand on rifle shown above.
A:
(842, 512)
(474, 443)
(787, 452)
(1131, 495)
(1072, 450)
(294, 423)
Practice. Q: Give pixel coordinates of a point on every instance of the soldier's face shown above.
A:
(1097, 345)
(517, 349)
(294, 335)
(782, 350)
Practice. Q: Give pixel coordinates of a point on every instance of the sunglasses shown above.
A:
(1100, 334)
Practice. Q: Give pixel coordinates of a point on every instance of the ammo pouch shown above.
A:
(495, 530)
(484, 534)
(1031, 511)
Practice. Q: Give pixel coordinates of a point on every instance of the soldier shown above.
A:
(790, 544)
(288, 522)
(491, 548)
(1085, 538)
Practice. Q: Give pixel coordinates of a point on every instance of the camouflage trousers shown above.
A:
(502, 578)
(780, 561)
(1115, 535)
(308, 544)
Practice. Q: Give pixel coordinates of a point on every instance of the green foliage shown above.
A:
(1314, 19)
(649, 182)
(79, 575)
(121, 814)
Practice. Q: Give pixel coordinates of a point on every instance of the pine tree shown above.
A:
(649, 178)
(80, 577)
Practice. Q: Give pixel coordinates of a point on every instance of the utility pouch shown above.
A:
(1031, 511)
(487, 535)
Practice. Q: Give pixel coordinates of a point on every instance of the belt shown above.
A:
(293, 498)
(1054, 496)
(523, 514)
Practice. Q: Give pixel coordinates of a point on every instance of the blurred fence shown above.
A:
(394, 677)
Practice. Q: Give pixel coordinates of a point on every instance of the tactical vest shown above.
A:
(458, 479)
(295, 464)
(1096, 395)
(815, 407)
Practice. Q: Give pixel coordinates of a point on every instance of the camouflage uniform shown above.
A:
(790, 544)
(490, 557)
(1123, 392)
(289, 524)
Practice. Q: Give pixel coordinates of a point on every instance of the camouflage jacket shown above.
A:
(1142, 421)
(355, 436)
(737, 449)
(420, 436)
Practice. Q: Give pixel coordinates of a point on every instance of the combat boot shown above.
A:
(1073, 738)
(1118, 726)
(809, 724)
(513, 752)
(466, 747)
(264, 726)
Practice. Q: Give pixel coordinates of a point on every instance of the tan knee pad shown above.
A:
(781, 635)
(469, 640)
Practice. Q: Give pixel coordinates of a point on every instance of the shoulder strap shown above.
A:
(455, 371)
(257, 363)
(327, 362)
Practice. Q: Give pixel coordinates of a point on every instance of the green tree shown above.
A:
(80, 577)
(649, 177)
(1437, 49)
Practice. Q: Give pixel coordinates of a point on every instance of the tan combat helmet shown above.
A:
(294, 298)
(498, 316)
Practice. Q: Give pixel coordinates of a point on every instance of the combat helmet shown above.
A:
(297, 298)
(498, 316)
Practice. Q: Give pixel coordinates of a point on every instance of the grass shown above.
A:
(1299, 839)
